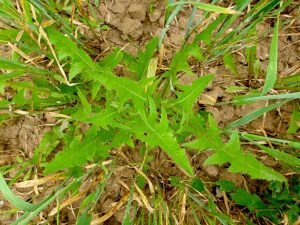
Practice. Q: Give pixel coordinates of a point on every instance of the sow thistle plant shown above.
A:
(149, 107)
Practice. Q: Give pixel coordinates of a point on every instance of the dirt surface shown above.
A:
(18, 139)
(131, 25)
(21, 135)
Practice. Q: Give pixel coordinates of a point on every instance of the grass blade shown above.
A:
(206, 7)
(229, 20)
(11, 75)
(282, 156)
(233, 154)
(252, 116)
(273, 58)
(253, 137)
(167, 25)
(249, 99)
(27, 217)
(12, 198)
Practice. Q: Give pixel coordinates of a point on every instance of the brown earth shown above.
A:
(131, 25)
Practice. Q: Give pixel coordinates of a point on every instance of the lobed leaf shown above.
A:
(102, 119)
(160, 134)
(80, 60)
(80, 151)
(229, 64)
(233, 154)
(140, 64)
(125, 88)
(230, 152)
(188, 97)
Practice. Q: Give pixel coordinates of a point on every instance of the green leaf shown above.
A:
(126, 219)
(273, 58)
(169, 17)
(81, 61)
(233, 154)
(255, 138)
(125, 88)
(2, 89)
(102, 119)
(160, 134)
(28, 216)
(14, 199)
(141, 63)
(8, 34)
(9, 64)
(248, 98)
(206, 34)
(254, 115)
(48, 144)
(229, 63)
(244, 198)
(294, 121)
(239, 7)
(206, 7)
(188, 97)
(11, 75)
(198, 185)
(80, 151)
(205, 137)
(174, 180)
(235, 89)
(84, 219)
(87, 108)
(180, 59)
(225, 185)
(111, 60)
(282, 156)
(292, 82)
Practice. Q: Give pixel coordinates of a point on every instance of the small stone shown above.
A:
(215, 112)
(294, 38)
(137, 11)
(133, 28)
(118, 7)
(119, 215)
(157, 32)
(176, 37)
(161, 21)
(219, 193)
(107, 204)
(211, 170)
(268, 161)
(186, 79)
(292, 59)
(235, 178)
(182, 22)
(102, 9)
(84, 3)
(155, 15)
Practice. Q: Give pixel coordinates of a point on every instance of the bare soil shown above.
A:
(131, 25)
